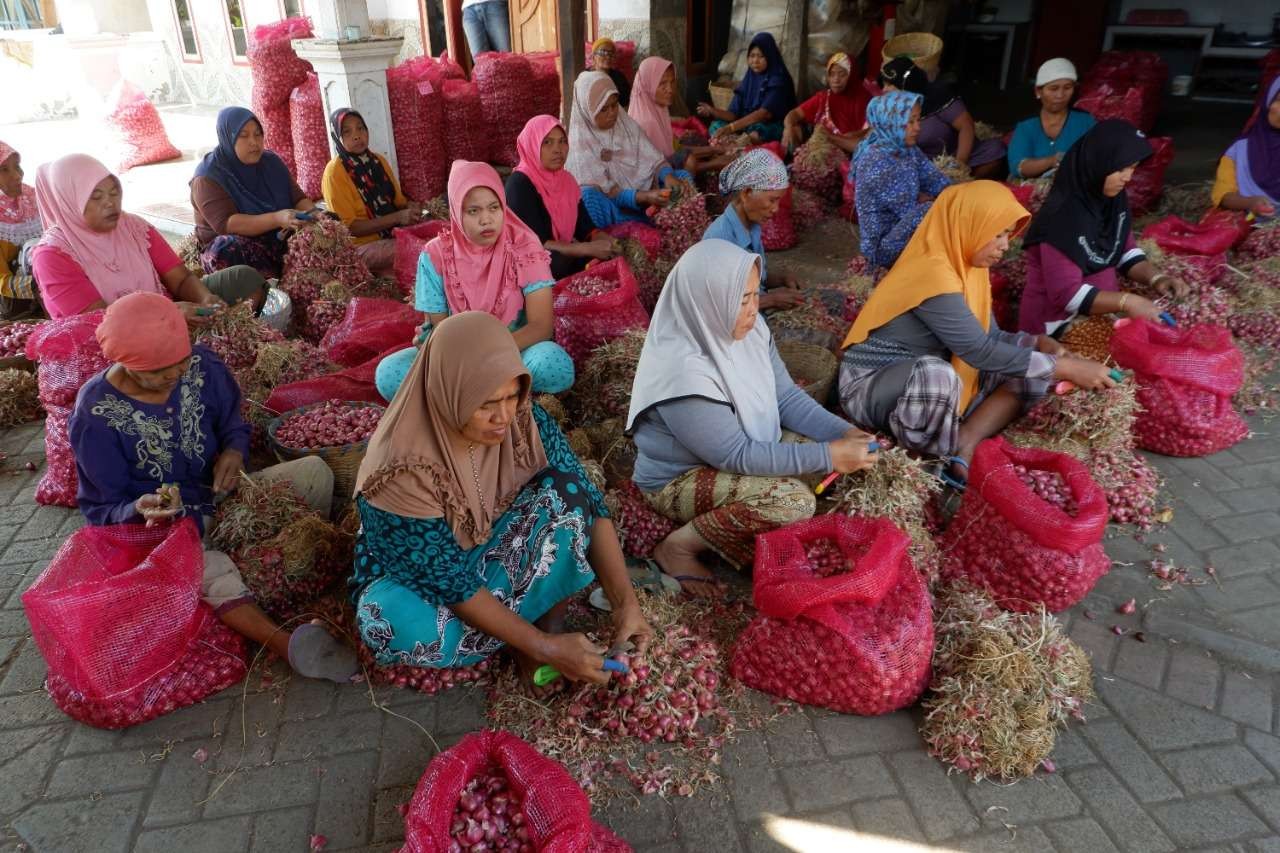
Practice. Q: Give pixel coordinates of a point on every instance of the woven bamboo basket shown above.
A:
(721, 94)
(812, 367)
(344, 460)
(925, 49)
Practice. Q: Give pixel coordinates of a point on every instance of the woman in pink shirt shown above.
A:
(93, 252)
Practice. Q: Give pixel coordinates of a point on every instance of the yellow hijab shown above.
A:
(964, 218)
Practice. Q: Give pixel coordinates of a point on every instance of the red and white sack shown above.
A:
(505, 82)
(492, 791)
(1028, 544)
(845, 620)
(595, 306)
(1187, 376)
(466, 134)
(140, 137)
(118, 618)
(68, 355)
(310, 134)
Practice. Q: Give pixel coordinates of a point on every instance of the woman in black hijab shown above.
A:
(1081, 241)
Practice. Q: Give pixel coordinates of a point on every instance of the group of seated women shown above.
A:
(478, 522)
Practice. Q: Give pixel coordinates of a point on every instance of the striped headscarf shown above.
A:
(758, 169)
(888, 116)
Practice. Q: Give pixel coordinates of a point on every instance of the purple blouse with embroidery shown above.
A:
(126, 448)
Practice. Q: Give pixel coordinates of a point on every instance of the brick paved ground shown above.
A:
(1182, 750)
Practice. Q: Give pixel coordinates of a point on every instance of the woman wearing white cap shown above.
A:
(1040, 142)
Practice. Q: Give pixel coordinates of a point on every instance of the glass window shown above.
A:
(239, 40)
(186, 29)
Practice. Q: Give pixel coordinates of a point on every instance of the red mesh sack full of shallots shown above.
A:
(1147, 184)
(118, 618)
(1175, 234)
(370, 327)
(779, 231)
(140, 134)
(595, 306)
(410, 241)
(1030, 528)
(1105, 102)
(276, 71)
(68, 355)
(355, 384)
(646, 235)
(1186, 378)
(417, 110)
(845, 621)
(492, 791)
(466, 134)
(546, 82)
(310, 135)
(505, 82)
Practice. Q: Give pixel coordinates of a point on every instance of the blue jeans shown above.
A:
(487, 26)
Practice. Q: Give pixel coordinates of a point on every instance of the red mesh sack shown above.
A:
(355, 384)
(68, 355)
(778, 232)
(595, 306)
(624, 58)
(1028, 545)
(1175, 234)
(371, 327)
(1104, 102)
(466, 134)
(417, 110)
(1147, 184)
(691, 129)
(139, 131)
(848, 210)
(410, 241)
(556, 815)
(310, 134)
(1186, 378)
(276, 71)
(546, 82)
(845, 621)
(505, 82)
(118, 618)
(1237, 219)
(646, 235)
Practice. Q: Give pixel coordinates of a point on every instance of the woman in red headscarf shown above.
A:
(840, 109)
(167, 414)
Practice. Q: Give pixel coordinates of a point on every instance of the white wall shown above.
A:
(616, 9)
(1253, 16)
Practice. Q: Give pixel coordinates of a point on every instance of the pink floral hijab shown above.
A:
(117, 262)
(19, 219)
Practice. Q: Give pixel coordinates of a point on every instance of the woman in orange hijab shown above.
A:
(925, 360)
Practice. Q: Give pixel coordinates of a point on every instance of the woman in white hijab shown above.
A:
(620, 171)
(713, 411)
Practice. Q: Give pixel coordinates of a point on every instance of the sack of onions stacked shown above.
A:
(844, 618)
(1029, 530)
(336, 431)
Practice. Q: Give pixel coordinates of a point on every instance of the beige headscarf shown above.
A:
(631, 163)
(419, 465)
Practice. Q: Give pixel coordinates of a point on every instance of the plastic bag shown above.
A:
(1147, 184)
(141, 137)
(355, 384)
(410, 241)
(1175, 234)
(1236, 219)
(1023, 548)
(1186, 378)
(466, 133)
(845, 621)
(584, 322)
(370, 327)
(310, 134)
(556, 812)
(506, 83)
(118, 618)
(68, 356)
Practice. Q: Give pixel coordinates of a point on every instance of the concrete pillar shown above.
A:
(353, 74)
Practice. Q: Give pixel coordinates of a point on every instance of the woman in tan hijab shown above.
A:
(478, 522)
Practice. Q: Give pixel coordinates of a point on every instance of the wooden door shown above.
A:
(533, 26)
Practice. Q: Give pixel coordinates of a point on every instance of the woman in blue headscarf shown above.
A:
(245, 201)
(894, 183)
(763, 99)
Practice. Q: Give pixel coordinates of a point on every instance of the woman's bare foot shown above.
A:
(677, 556)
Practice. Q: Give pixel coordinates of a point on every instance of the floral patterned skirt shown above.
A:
(535, 558)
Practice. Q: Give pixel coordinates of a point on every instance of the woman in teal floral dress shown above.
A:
(478, 522)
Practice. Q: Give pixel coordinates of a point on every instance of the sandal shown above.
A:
(950, 480)
(646, 575)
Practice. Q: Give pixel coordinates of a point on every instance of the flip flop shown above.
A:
(950, 480)
(646, 575)
(314, 653)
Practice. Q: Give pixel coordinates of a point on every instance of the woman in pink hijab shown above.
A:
(93, 252)
(548, 199)
(488, 260)
(19, 225)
